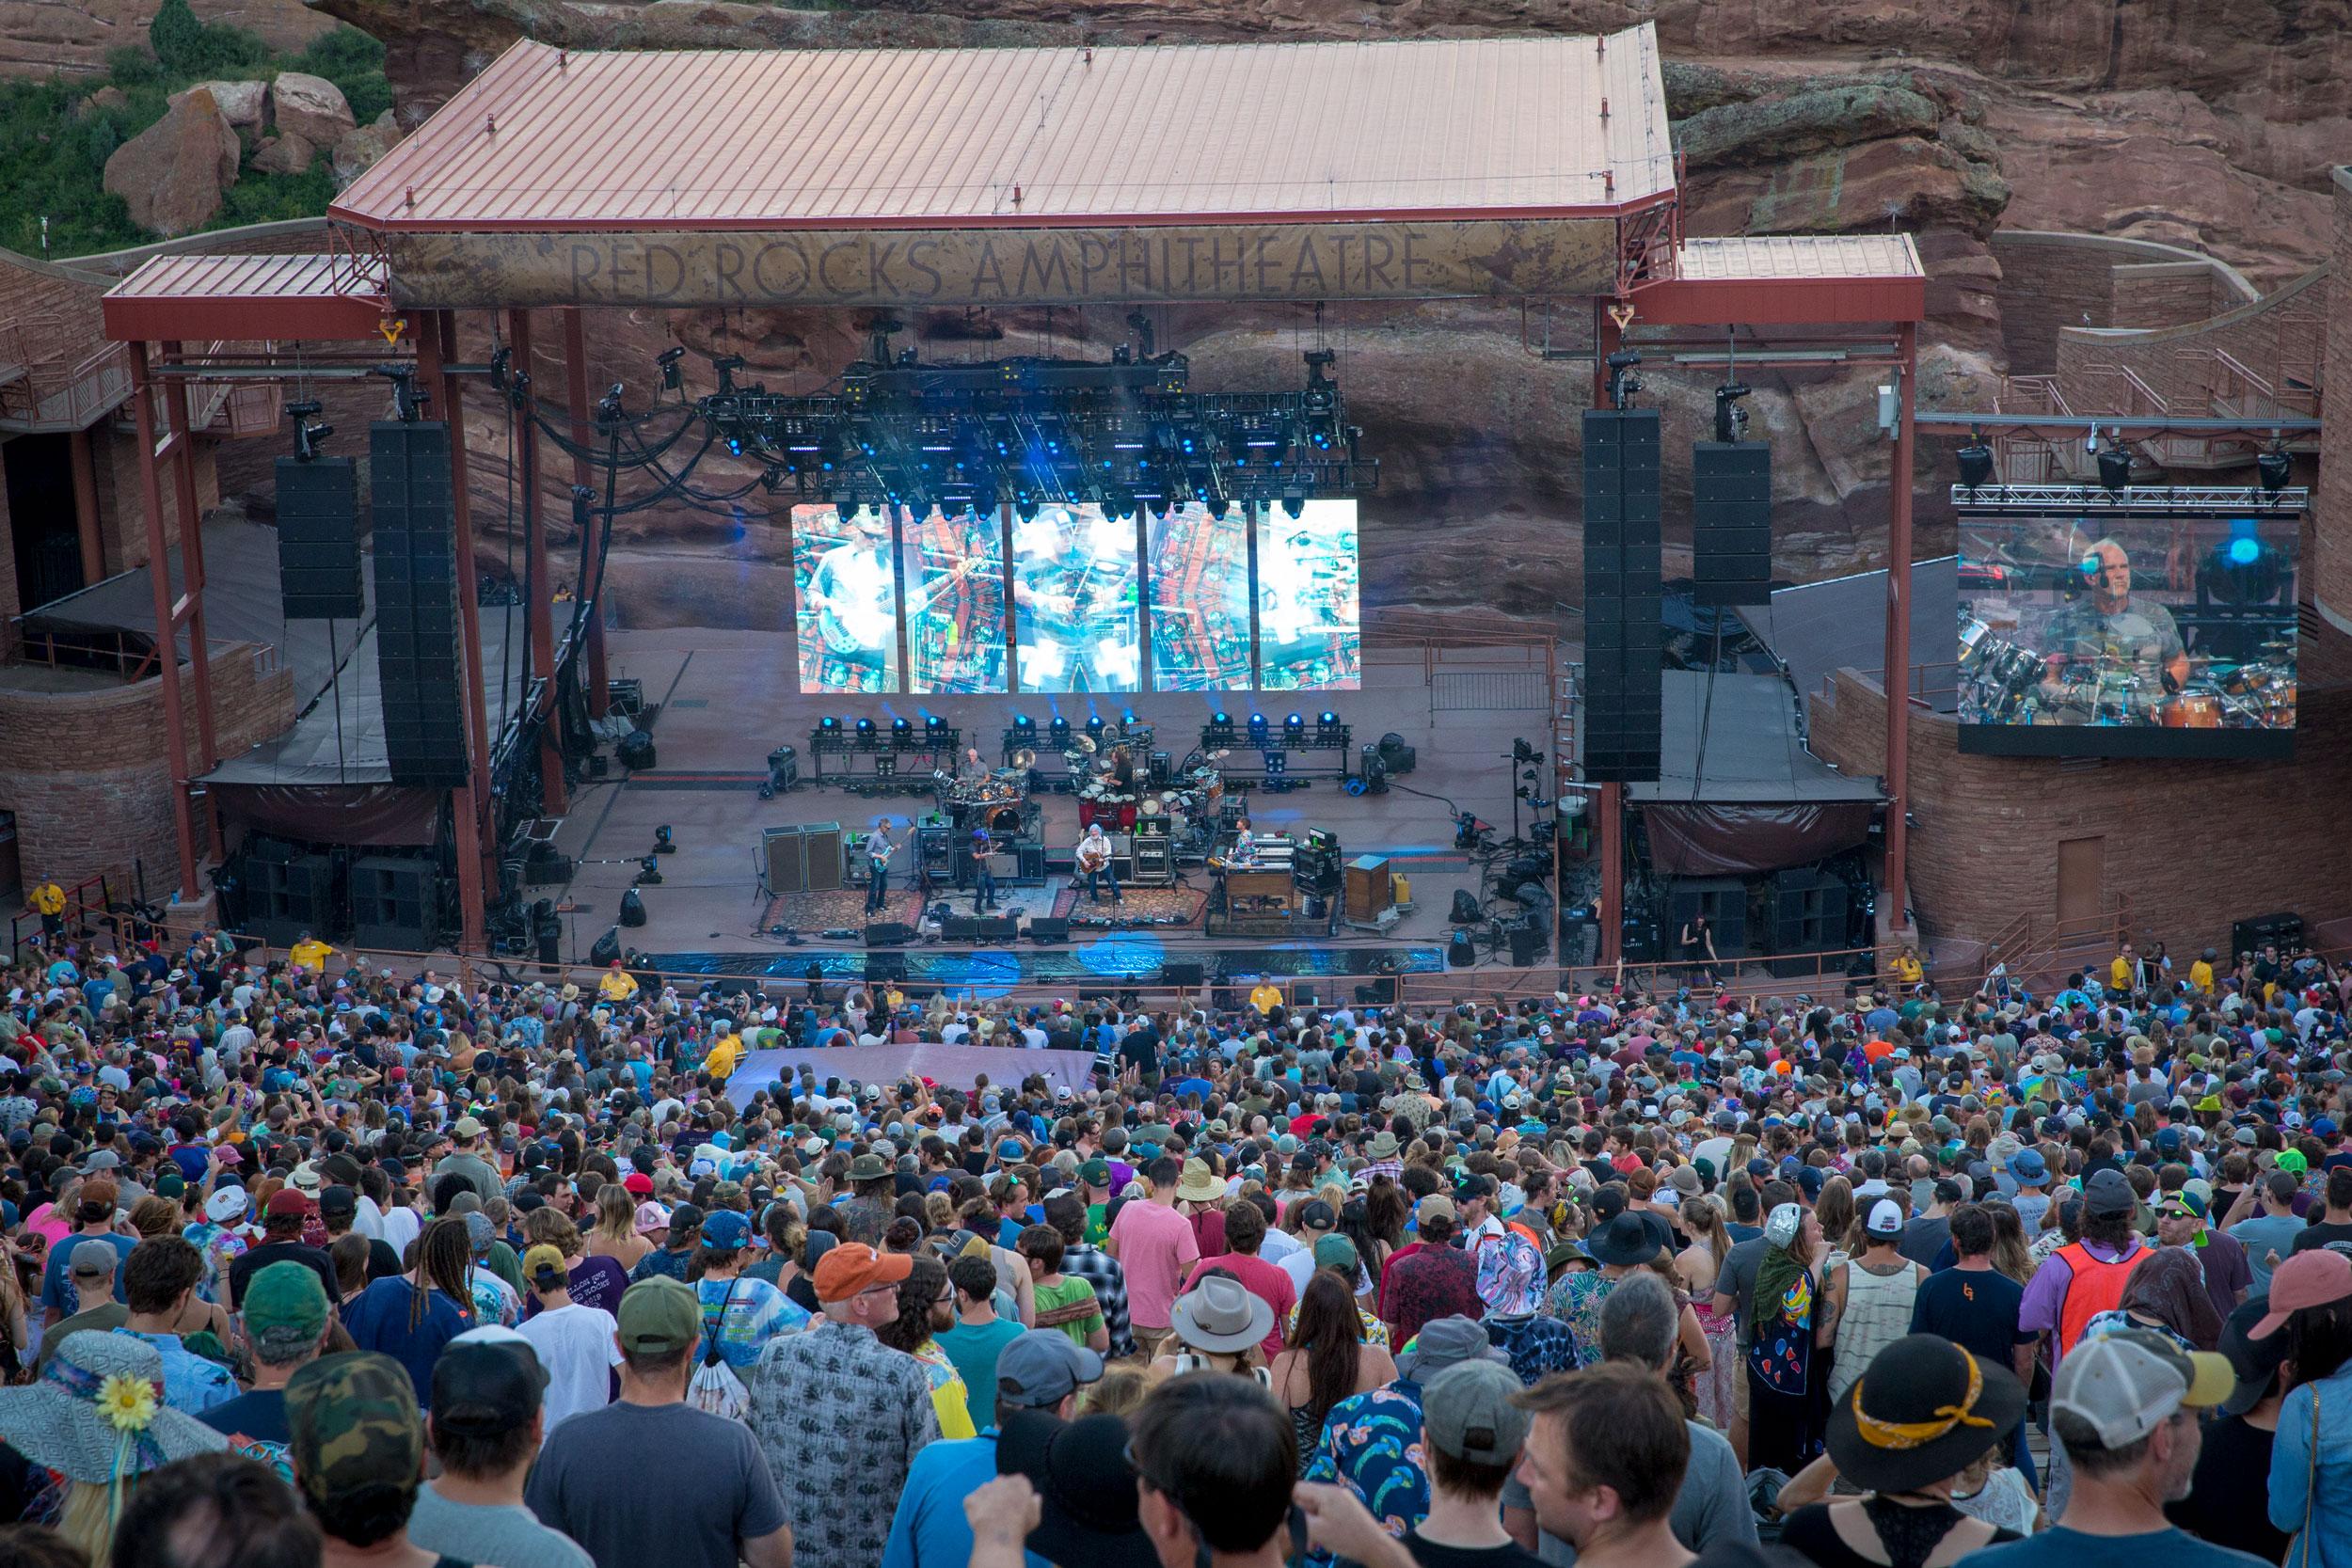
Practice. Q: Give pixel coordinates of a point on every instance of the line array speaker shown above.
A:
(1731, 522)
(416, 601)
(318, 539)
(1624, 688)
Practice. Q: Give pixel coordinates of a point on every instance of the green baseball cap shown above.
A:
(1336, 1252)
(659, 1316)
(1095, 1173)
(354, 1425)
(285, 1307)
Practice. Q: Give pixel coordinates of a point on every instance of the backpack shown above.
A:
(715, 1389)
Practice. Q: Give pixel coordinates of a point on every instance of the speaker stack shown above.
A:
(1809, 909)
(416, 601)
(318, 539)
(1731, 522)
(391, 904)
(1624, 688)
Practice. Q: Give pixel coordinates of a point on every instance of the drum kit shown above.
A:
(2257, 695)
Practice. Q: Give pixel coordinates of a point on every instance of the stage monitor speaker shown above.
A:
(607, 950)
(1724, 902)
(391, 904)
(1000, 928)
(786, 850)
(1184, 973)
(1731, 522)
(1527, 942)
(955, 927)
(824, 856)
(416, 601)
(890, 933)
(1044, 928)
(318, 539)
(1460, 952)
(1808, 911)
(1395, 755)
(2283, 930)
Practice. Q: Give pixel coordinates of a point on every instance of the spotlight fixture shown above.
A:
(2272, 467)
(2115, 468)
(1975, 462)
(1059, 730)
(900, 726)
(668, 360)
(1293, 728)
(828, 723)
(1222, 720)
(1731, 421)
(1023, 721)
(866, 726)
(933, 723)
(1126, 718)
(1293, 506)
(1329, 720)
(306, 436)
(1094, 724)
(664, 842)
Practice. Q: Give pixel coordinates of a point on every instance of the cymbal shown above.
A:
(1220, 755)
(1151, 806)
(1086, 744)
(1024, 758)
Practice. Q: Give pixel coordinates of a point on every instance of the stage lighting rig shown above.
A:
(668, 359)
(1294, 729)
(2273, 468)
(1731, 419)
(1975, 462)
(1623, 383)
(2115, 467)
(1258, 729)
(725, 369)
(307, 435)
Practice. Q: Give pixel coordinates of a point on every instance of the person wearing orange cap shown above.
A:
(872, 1405)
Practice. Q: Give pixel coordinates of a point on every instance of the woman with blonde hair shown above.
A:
(614, 1234)
(1695, 1270)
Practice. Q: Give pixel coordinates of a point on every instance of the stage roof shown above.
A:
(1819, 627)
(1732, 739)
(909, 138)
(206, 298)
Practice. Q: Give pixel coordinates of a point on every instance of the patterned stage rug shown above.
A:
(843, 908)
(1177, 907)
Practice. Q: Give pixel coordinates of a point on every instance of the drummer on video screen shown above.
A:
(2106, 647)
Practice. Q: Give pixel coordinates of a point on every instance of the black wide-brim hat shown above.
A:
(1628, 1239)
(1913, 1417)
(1089, 1510)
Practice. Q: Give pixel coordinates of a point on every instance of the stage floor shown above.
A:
(725, 701)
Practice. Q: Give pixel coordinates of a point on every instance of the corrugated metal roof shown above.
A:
(1785, 258)
(911, 138)
(218, 296)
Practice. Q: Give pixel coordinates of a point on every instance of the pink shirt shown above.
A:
(1155, 1247)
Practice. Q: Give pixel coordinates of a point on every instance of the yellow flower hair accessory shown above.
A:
(127, 1402)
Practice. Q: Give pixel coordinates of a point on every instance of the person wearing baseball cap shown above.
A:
(873, 1403)
(2084, 1278)
(2126, 1405)
(649, 1478)
(90, 1276)
(488, 1418)
(357, 1445)
(285, 1319)
(2234, 1460)
(1473, 1428)
(1870, 1297)
(283, 1219)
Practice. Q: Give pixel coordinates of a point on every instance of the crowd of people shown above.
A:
(316, 1263)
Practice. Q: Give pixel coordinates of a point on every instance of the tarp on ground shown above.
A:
(955, 1066)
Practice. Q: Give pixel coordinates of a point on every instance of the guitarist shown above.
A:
(879, 849)
(983, 879)
(1094, 865)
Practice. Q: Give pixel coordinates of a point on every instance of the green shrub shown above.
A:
(191, 50)
(133, 66)
(354, 62)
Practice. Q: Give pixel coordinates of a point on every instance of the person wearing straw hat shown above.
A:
(91, 1427)
(1920, 1413)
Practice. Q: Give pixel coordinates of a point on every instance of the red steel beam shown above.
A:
(1893, 907)
(167, 624)
(189, 611)
(1608, 809)
(437, 341)
(536, 615)
(591, 548)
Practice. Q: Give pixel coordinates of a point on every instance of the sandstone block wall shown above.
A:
(2329, 571)
(2193, 846)
(89, 777)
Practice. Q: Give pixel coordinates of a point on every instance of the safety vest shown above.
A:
(2097, 1287)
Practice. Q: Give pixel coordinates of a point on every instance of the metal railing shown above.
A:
(1773, 977)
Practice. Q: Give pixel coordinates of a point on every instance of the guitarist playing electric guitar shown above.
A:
(1094, 865)
(879, 849)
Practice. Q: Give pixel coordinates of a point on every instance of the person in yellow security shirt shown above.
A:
(726, 1054)
(49, 903)
(1906, 967)
(1265, 996)
(619, 984)
(2200, 974)
(309, 953)
(2124, 970)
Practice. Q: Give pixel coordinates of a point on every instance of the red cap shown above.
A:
(639, 1182)
(287, 1200)
(2311, 1278)
(853, 1266)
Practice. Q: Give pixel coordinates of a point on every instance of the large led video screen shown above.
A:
(2132, 636)
(846, 600)
(1074, 582)
(954, 569)
(1308, 634)
(1200, 577)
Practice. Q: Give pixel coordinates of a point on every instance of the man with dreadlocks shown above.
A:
(411, 1316)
